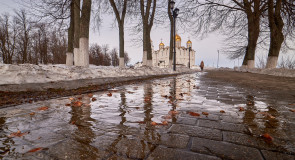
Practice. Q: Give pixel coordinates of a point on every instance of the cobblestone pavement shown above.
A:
(194, 116)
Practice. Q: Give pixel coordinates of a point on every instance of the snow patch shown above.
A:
(30, 73)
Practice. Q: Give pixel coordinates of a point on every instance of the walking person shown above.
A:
(202, 66)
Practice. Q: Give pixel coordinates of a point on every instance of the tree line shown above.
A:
(248, 24)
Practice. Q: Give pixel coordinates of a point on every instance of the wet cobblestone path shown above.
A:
(183, 117)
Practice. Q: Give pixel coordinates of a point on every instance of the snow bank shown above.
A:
(282, 72)
(29, 73)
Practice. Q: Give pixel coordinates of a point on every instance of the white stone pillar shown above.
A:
(70, 59)
(149, 63)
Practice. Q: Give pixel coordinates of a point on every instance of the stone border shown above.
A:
(79, 83)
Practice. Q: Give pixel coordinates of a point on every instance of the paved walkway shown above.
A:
(195, 116)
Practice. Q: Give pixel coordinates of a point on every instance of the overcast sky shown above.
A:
(206, 49)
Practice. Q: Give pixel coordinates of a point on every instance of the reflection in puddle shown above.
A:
(122, 123)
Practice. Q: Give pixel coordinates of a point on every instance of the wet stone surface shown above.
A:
(183, 117)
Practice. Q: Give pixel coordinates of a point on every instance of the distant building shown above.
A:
(161, 56)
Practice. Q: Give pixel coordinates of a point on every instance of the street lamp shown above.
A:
(175, 14)
(189, 57)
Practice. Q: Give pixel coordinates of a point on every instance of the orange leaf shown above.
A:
(90, 95)
(130, 92)
(93, 99)
(68, 104)
(194, 114)
(170, 97)
(35, 150)
(165, 123)
(71, 99)
(43, 108)
(222, 111)
(241, 109)
(165, 96)
(154, 123)
(79, 98)
(73, 122)
(17, 134)
(110, 94)
(170, 102)
(33, 113)
(292, 110)
(267, 137)
(205, 113)
(292, 104)
(173, 113)
(250, 103)
(188, 81)
(77, 104)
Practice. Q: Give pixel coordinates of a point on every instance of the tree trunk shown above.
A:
(76, 30)
(84, 34)
(121, 43)
(71, 29)
(276, 25)
(144, 43)
(171, 34)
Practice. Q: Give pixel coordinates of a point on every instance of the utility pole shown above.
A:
(218, 58)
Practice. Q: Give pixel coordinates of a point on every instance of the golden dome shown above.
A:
(177, 37)
(161, 44)
(189, 42)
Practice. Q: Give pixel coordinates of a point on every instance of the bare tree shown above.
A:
(114, 57)
(25, 27)
(147, 11)
(230, 16)
(8, 38)
(120, 17)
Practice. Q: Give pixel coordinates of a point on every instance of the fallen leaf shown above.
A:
(222, 111)
(250, 103)
(170, 97)
(68, 104)
(137, 107)
(35, 149)
(241, 109)
(181, 94)
(267, 115)
(194, 114)
(173, 113)
(90, 95)
(165, 123)
(77, 104)
(292, 104)
(165, 96)
(130, 92)
(93, 99)
(79, 98)
(292, 110)
(205, 113)
(73, 122)
(110, 94)
(170, 102)
(153, 123)
(71, 99)
(33, 113)
(267, 137)
(43, 108)
(147, 99)
(17, 134)
(188, 81)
